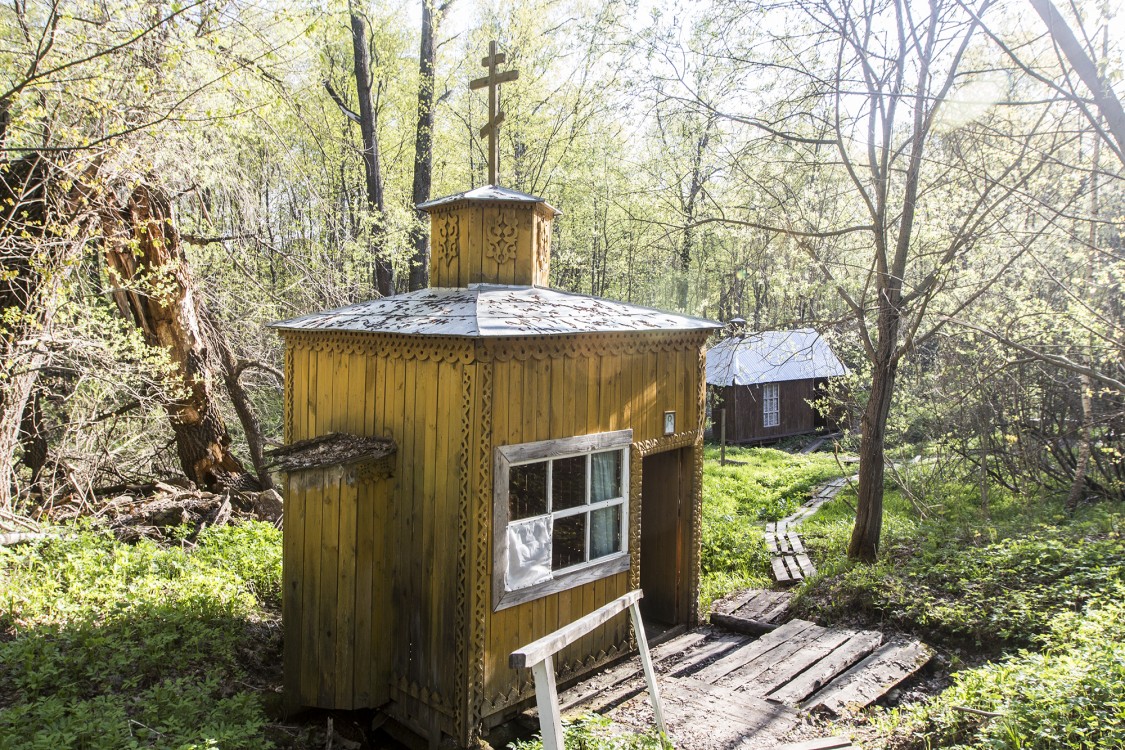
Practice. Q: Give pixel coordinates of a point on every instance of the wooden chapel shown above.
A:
(539, 454)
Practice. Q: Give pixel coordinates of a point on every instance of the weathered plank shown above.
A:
(734, 602)
(780, 574)
(714, 649)
(762, 680)
(807, 568)
(751, 651)
(859, 645)
(872, 677)
(795, 542)
(779, 609)
(821, 743)
(746, 625)
(766, 601)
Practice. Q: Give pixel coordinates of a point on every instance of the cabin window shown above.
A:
(560, 514)
(771, 405)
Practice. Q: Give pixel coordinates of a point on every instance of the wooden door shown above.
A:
(665, 534)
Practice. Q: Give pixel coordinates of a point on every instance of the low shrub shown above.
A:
(107, 645)
(1069, 695)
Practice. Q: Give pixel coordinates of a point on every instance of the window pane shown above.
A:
(605, 531)
(529, 553)
(607, 476)
(527, 490)
(568, 544)
(568, 483)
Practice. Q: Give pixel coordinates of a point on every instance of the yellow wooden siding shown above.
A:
(385, 561)
(563, 397)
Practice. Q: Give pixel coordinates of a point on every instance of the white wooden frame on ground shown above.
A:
(539, 656)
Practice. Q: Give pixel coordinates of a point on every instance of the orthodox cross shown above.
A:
(493, 81)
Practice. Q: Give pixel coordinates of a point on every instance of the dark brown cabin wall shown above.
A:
(744, 411)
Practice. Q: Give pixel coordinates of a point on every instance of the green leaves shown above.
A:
(112, 646)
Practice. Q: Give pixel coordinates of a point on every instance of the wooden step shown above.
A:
(871, 678)
(856, 647)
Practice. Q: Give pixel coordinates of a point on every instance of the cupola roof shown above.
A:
(490, 310)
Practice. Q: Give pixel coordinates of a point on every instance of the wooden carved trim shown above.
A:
(288, 386)
(523, 348)
(635, 458)
(388, 345)
(449, 238)
(422, 694)
(466, 350)
(539, 209)
(668, 442)
(543, 245)
(502, 236)
(482, 553)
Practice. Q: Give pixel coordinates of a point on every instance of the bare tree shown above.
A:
(888, 197)
(424, 143)
(368, 119)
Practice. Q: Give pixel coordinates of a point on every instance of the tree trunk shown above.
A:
(423, 151)
(864, 545)
(255, 443)
(384, 274)
(142, 242)
(38, 264)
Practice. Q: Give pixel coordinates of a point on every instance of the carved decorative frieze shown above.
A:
(543, 245)
(502, 236)
(500, 349)
(448, 240)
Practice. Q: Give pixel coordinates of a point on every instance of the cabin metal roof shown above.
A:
(484, 310)
(771, 357)
(488, 194)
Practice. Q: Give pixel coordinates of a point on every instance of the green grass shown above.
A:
(962, 579)
(106, 645)
(1038, 591)
(1071, 694)
(738, 499)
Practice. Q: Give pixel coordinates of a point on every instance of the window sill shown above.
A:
(617, 563)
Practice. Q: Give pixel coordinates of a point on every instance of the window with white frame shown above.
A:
(771, 405)
(561, 514)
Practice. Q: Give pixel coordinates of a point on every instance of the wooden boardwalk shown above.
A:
(728, 691)
(789, 562)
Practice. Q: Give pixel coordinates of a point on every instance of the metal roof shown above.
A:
(771, 357)
(487, 310)
(488, 194)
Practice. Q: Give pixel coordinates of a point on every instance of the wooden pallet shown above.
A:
(725, 690)
(789, 561)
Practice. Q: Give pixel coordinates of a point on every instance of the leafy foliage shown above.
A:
(995, 582)
(1072, 694)
(114, 646)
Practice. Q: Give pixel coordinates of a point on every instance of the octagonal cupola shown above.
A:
(490, 235)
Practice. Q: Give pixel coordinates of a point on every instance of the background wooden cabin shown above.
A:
(742, 367)
(420, 595)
